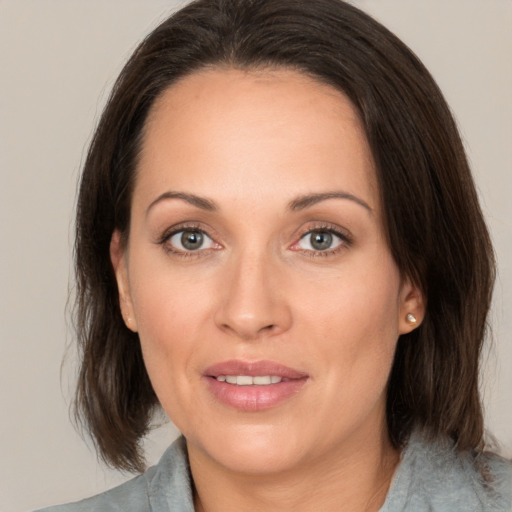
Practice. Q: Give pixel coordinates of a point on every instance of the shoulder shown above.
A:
(435, 477)
(131, 495)
(165, 486)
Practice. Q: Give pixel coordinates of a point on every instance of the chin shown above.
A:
(252, 449)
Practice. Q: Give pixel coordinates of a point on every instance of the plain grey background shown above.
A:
(58, 60)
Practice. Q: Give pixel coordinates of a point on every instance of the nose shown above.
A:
(253, 303)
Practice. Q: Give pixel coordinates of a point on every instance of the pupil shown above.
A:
(192, 240)
(321, 240)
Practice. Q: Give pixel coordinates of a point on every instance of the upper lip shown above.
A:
(253, 369)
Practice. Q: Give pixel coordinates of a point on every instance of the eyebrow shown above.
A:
(297, 204)
(303, 202)
(200, 202)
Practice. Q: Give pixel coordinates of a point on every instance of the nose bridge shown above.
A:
(252, 304)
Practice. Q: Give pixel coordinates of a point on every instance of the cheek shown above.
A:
(355, 320)
(361, 302)
(169, 303)
(169, 322)
(167, 315)
(171, 314)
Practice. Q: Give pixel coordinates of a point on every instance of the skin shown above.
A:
(253, 142)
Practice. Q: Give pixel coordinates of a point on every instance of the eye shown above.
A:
(320, 240)
(190, 240)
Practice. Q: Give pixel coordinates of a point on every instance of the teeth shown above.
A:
(247, 380)
(262, 381)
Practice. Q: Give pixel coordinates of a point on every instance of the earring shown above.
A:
(411, 318)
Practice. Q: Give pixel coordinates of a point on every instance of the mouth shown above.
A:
(248, 380)
(253, 386)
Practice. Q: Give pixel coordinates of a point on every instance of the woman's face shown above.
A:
(257, 273)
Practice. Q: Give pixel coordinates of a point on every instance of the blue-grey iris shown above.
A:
(192, 240)
(321, 240)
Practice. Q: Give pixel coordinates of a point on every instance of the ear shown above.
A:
(119, 263)
(412, 307)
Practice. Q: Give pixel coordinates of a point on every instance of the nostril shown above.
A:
(270, 327)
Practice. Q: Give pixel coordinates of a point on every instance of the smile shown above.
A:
(253, 386)
(248, 380)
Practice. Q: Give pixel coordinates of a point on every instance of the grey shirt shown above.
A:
(431, 477)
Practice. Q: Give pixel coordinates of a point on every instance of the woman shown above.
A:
(280, 244)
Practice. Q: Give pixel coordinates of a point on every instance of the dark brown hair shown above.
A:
(433, 220)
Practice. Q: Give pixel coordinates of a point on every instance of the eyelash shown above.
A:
(345, 237)
(169, 249)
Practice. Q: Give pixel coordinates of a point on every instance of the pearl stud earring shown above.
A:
(411, 318)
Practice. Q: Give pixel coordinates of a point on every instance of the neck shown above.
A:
(355, 479)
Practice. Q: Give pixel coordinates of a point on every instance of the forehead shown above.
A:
(223, 128)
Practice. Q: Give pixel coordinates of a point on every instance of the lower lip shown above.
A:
(255, 398)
